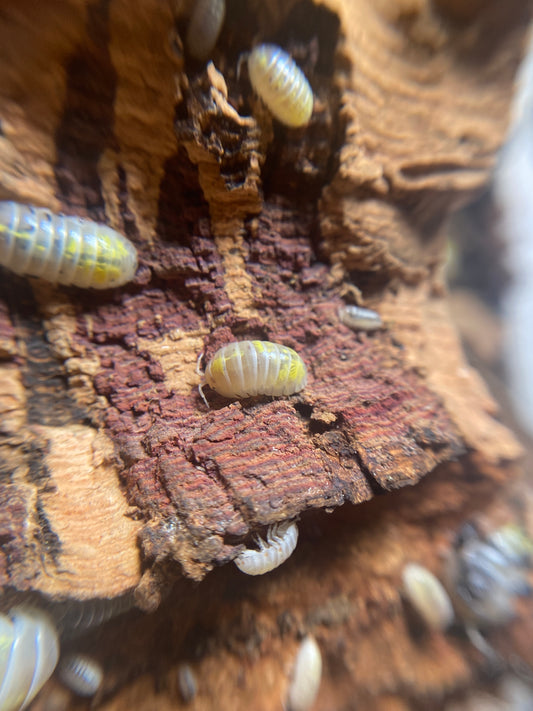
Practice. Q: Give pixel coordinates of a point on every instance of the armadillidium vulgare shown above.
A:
(280, 544)
(359, 318)
(81, 674)
(204, 27)
(306, 676)
(29, 649)
(248, 368)
(427, 596)
(281, 84)
(62, 249)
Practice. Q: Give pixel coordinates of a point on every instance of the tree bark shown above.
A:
(116, 478)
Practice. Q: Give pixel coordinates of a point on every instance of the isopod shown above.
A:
(306, 676)
(359, 318)
(81, 674)
(280, 544)
(74, 617)
(248, 368)
(281, 84)
(29, 649)
(427, 596)
(187, 682)
(204, 27)
(63, 249)
(512, 542)
(487, 576)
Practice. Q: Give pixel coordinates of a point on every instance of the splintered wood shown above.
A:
(115, 476)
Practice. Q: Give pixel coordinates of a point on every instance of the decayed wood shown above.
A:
(248, 230)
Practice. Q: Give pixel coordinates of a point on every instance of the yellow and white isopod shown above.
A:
(281, 84)
(248, 368)
(64, 249)
(204, 27)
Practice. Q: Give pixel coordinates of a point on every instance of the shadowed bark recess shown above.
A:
(248, 230)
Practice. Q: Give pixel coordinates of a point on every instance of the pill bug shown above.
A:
(248, 368)
(488, 574)
(63, 249)
(187, 682)
(204, 27)
(359, 318)
(281, 84)
(280, 543)
(80, 673)
(427, 596)
(29, 649)
(306, 676)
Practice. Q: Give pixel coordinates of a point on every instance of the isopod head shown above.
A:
(281, 84)
(427, 596)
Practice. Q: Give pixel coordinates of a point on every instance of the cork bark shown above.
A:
(115, 476)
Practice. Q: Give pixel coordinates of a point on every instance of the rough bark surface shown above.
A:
(114, 474)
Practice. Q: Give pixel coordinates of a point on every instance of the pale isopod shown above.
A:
(187, 682)
(62, 249)
(281, 84)
(248, 368)
(29, 649)
(204, 27)
(74, 617)
(488, 575)
(359, 318)
(280, 544)
(81, 674)
(427, 596)
(306, 676)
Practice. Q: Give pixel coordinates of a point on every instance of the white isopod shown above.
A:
(359, 318)
(427, 596)
(29, 649)
(280, 544)
(249, 368)
(306, 676)
(281, 84)
(187, 682)
(204, 27)
(62, 249)
(81, 673)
